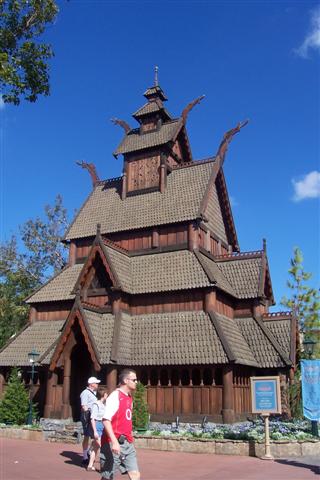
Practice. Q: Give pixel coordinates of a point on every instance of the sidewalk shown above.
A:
(27, 460)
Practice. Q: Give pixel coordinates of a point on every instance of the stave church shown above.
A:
(156, 281)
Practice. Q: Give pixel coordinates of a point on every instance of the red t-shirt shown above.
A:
(121, 419)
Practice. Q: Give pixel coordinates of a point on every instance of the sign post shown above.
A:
(265, 399)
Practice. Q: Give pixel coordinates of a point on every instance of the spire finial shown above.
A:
(156, 80)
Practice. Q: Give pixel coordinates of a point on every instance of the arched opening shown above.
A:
(81, 370)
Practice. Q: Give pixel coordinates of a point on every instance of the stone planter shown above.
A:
(22, 433)
(279, 449)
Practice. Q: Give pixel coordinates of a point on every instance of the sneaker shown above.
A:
(85, 462)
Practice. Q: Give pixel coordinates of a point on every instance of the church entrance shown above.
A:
(81, 370)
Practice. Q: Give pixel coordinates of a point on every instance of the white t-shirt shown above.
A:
(97, 410)
(112, 405)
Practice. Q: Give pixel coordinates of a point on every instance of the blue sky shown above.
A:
(256, 60)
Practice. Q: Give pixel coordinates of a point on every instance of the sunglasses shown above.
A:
(135, 380)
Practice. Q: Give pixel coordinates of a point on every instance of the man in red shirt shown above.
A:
(117, 449)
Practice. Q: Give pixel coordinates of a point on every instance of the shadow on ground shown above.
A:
(74, 458)
(296, 463)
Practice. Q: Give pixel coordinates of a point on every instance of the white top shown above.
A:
(88, 398)
(112, 405)
(97, 410)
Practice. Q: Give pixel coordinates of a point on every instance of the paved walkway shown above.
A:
(27, 460)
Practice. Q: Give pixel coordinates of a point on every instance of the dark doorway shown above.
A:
(81, 370)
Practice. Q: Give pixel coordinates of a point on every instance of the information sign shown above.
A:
(265, 395)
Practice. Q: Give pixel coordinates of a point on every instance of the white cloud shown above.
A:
(307, 187)
(312, 40)
(2, 104)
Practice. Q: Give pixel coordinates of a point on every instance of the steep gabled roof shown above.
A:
(178, 203)
(151, 107)
(135, 141)
(233, 341)
(58, 287)
(39, 336)
(266, 349)
(77, 315)
(243, 271)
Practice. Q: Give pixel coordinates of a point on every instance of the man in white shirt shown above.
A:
(88, 398)
(117, 449)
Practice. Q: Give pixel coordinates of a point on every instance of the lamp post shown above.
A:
(308, 348)
(32, 356)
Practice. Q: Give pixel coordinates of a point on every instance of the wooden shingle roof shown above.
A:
(134, 141)
(39, 336)
(58, 287)
(180, 202)
(264, 346)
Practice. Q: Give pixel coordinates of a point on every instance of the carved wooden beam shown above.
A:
(227, 137)
(189, 107)
(126, 127)
(92, 170)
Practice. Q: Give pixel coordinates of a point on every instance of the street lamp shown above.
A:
(32, 356)
(308, 348)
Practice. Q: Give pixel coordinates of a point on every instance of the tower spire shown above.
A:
(156, 80)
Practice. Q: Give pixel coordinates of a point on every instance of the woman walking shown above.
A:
(97, 412)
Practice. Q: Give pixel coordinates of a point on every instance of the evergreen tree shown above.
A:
(14, 406)
(140, 414)
(304, 301)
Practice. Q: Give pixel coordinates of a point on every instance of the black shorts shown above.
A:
(86, 425)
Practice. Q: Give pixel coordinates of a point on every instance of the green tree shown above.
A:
(304, 300)
(24, 69)
(14, 406)
(140, 414)
(21, 272)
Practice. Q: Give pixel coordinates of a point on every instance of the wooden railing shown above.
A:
(176, 400)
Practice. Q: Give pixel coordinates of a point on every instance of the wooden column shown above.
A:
(111, 378)
(72, 253)
(155, 238)
(193, 237)
(227, 395)
(208, 241)
(210, 301)
(32, 315)
(116, 303)
(66, 407)
(52, 379)
(124, 180)
(163, 178)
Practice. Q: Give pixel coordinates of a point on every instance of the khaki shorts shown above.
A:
(110, 463)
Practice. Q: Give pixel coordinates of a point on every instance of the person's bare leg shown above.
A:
(93, 453)
(133, 475)
(85, 447)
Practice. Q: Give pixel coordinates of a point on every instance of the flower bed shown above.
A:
(247, 438)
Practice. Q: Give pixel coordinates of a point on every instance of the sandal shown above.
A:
(91, 469)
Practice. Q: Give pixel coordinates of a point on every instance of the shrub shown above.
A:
(14, 406)
(140, 414)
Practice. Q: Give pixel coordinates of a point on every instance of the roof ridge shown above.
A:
(193, 163)
(270, 315)
(272, 339)
(109, 243)
(236, 255)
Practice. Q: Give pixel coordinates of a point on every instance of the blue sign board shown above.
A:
(265, 395)
(310, 379)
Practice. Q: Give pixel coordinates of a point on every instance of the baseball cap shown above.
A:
(93, 380)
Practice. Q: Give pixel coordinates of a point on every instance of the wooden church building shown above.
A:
(156, 281)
